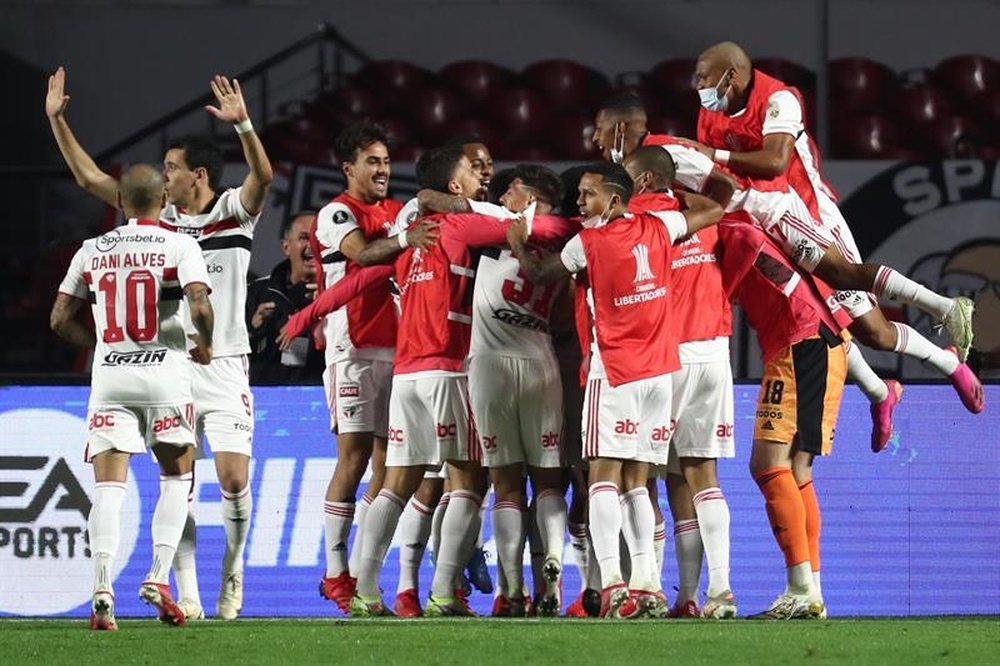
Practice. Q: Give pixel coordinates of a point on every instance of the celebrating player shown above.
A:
(634, 350)
(360, 341)
(702, 407)
(141, 384)
(223, 222)
(755, 126)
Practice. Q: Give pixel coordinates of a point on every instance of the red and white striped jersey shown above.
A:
(366, 327)
(225, 234)
(134, 277)
(629, 294)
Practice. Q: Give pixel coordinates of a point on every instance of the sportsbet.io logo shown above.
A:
(45, 497)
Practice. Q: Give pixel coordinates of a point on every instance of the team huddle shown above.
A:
(526, 330)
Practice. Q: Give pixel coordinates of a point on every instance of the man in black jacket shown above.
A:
(271, 299)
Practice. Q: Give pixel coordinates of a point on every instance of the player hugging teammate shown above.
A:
(442, 372)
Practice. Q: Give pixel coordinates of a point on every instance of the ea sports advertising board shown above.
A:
(895, 525)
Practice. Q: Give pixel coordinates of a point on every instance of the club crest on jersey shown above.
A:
(340, 217)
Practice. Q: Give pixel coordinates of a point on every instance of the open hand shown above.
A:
(423, 235)
(232, 108)
(56, 99)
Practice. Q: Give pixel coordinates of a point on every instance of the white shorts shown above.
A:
(518, 410)
(134, 429)
(703, 413)
(630, 421)
(223, 405)
(357, 393)
(857, 303)
(429, 421)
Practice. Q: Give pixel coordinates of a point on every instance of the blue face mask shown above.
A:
(712, 99)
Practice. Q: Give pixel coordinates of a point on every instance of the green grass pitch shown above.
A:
(478, 642)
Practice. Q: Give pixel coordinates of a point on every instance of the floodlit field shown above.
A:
(953, 640)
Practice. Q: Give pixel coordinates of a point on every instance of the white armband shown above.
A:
(722, 157)
(243, 126)
(401, 239)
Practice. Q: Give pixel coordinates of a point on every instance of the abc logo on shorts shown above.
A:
(46, 491)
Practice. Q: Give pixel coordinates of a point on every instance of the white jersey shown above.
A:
(693, 169)
(225, 234)
(510, 315)
(134, 277)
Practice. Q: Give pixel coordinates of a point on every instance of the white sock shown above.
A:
(168, 524)
(482, 525)
(463, 508)
(579, 539)
(508, 530)
(605, 529)
(185, 568)
(380, 526)
(359, 534)
(858, 369)
(550, 510)
(689, 551)
(713, 525)
(638, 525)
(898, 287)
(659, 544)
(472, 539)
(337, 519)
(912, 343)
(414, 530)
(817, 585)
(436, 522)
(800, 580)
(104, 526)
(237, 508)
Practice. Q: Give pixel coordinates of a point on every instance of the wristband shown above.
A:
(722, 157)
(243, 126)
(401, 239)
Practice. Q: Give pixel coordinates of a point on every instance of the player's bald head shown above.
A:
(141, 191)
(726, 55)
(653, 160)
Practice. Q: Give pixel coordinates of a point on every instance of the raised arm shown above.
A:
(88, 175)
(203, 319)
(65, 324)
(331, 299)
(432, 201)
(699, 211)
(423, 235)
(232, 109)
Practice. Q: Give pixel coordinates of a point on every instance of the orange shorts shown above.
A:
(800, 396)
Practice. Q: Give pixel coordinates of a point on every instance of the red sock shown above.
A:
(785, 512)
(813, 521)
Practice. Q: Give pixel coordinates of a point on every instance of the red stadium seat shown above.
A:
(920, 104)
(967, 75)
(519, 110)
(337, 109)
(788, 72)
(398, 133)
(433, 111)
(867, 137)
(478, 126)
(669, 89)
(525, 149)
(673, 126)
(860, 85)
(392, 81)
(293, 140)
(565, 83)
(570, 137)
(406, 153)
(475, 80)
(950, 136)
